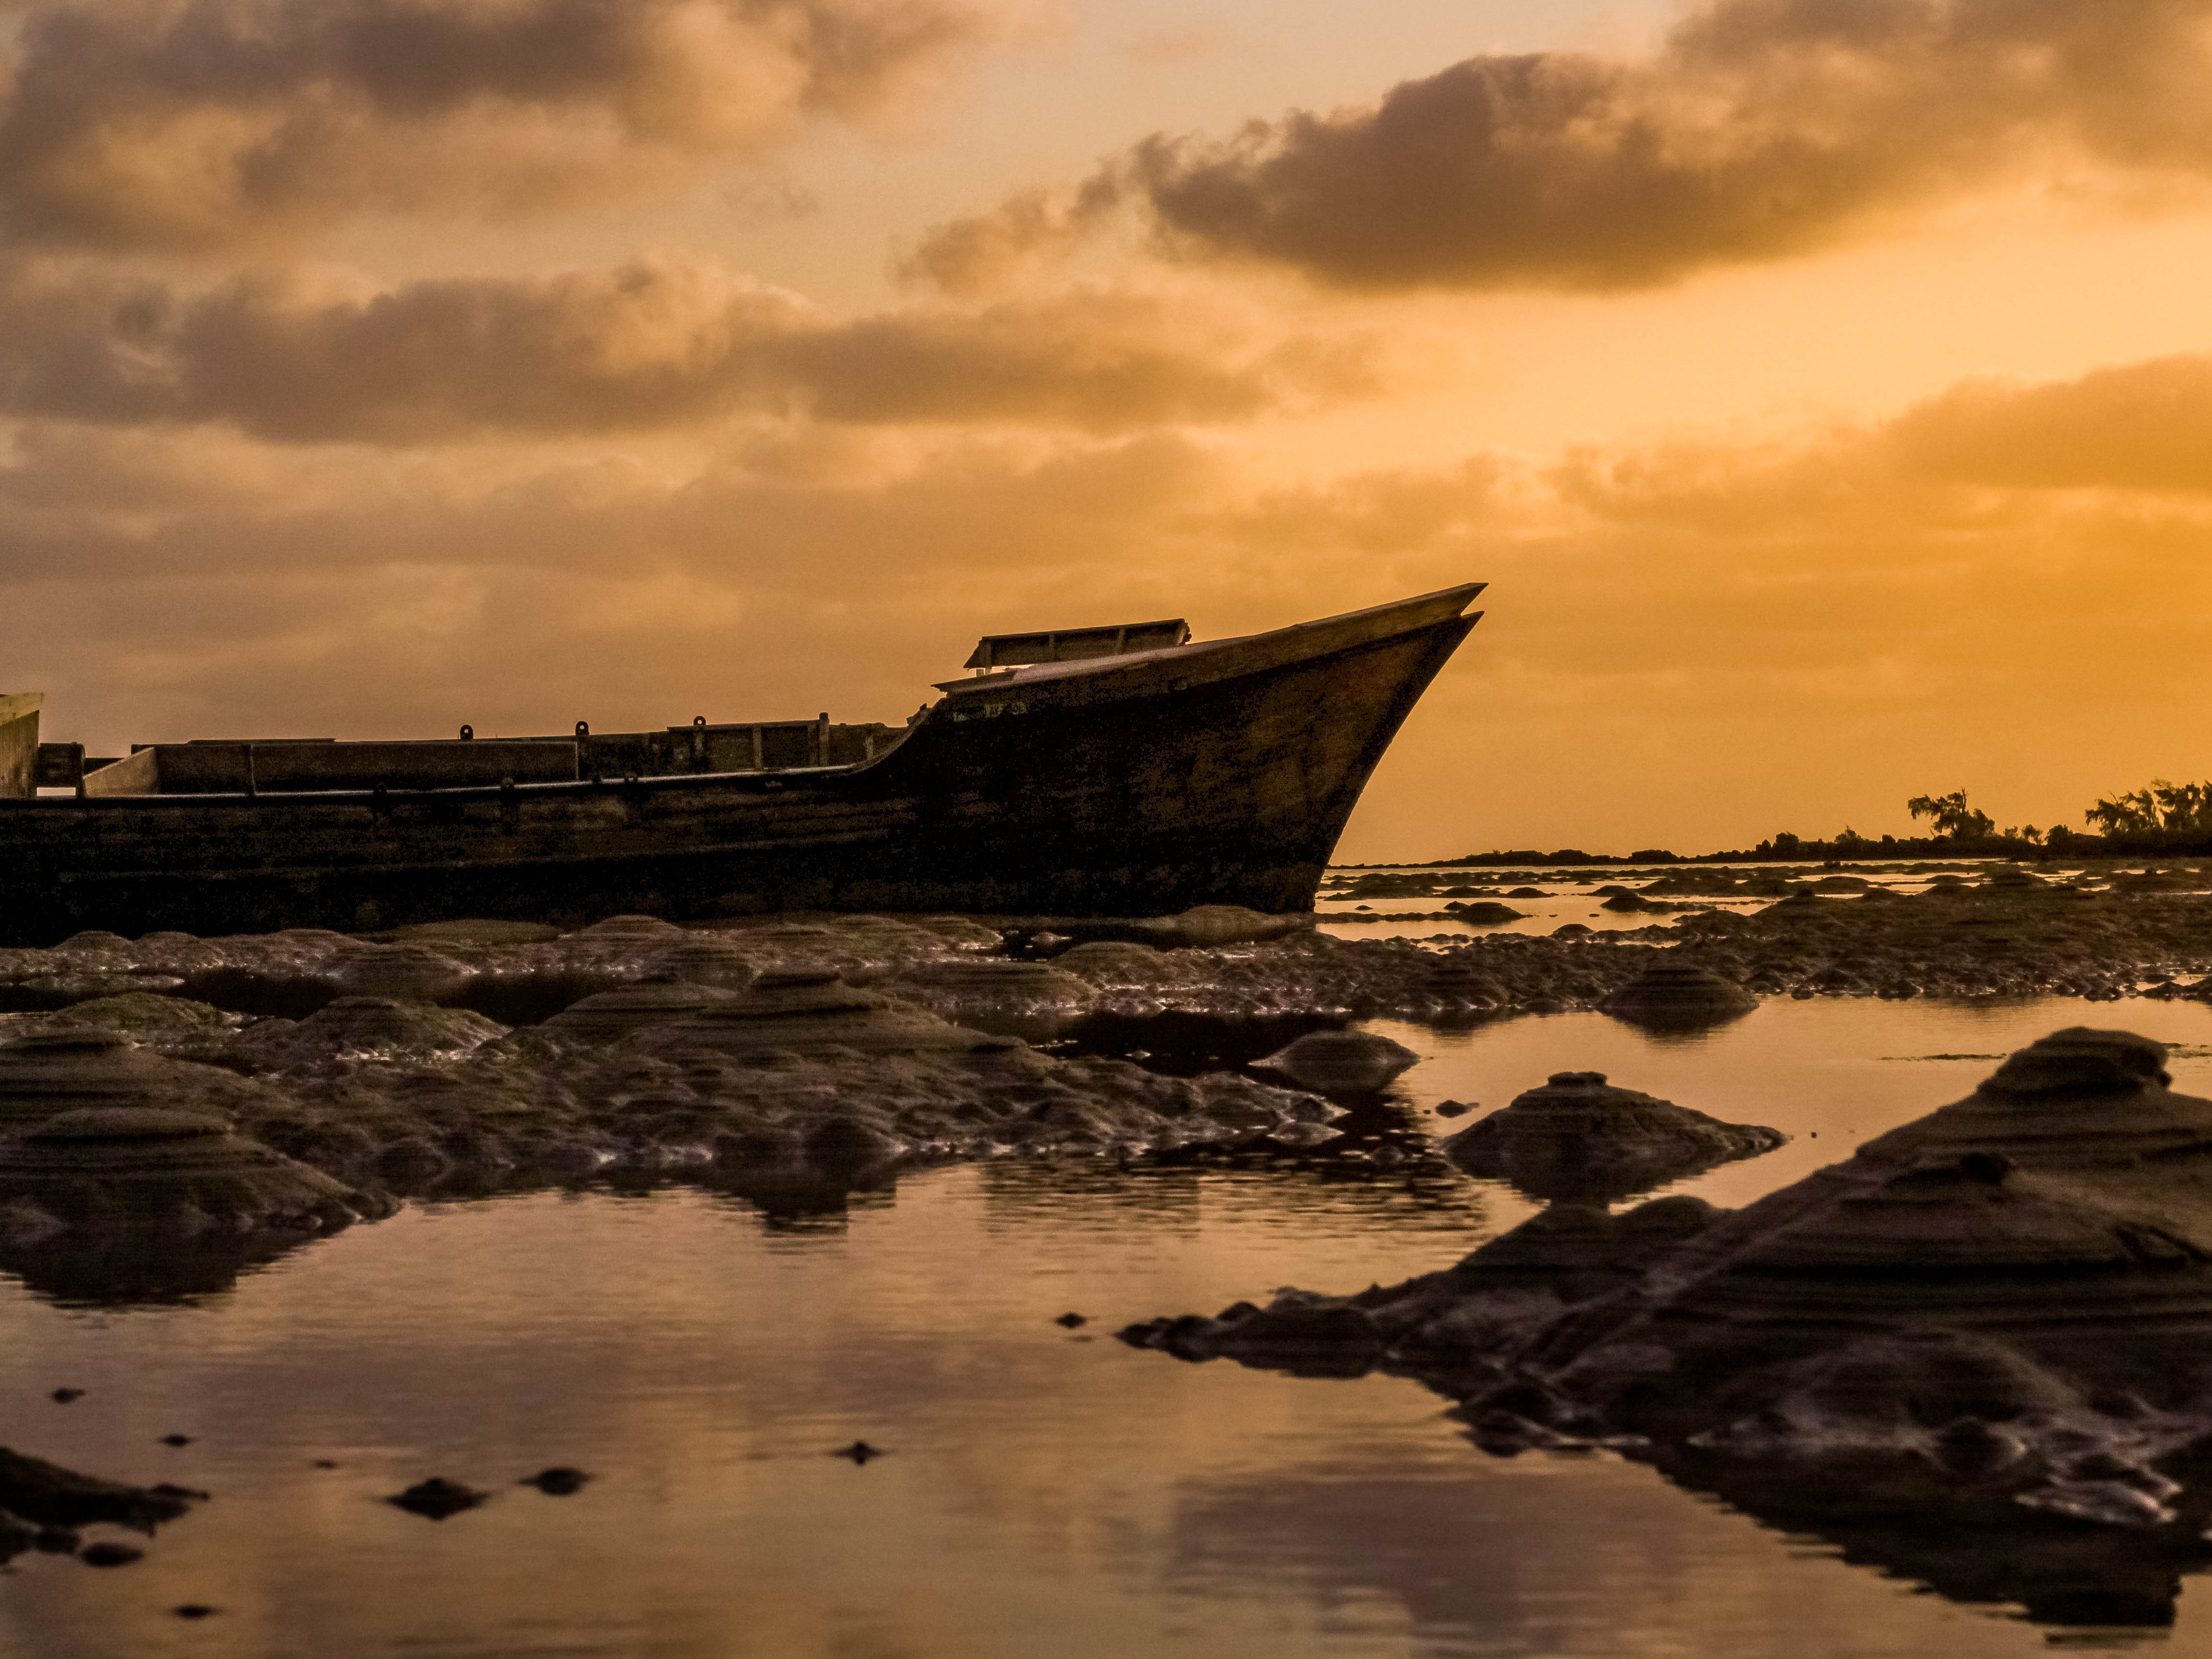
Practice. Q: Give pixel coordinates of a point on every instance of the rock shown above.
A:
(1579, 1138)
(141, 1017)
(1486, 914)
(968, 985)
(860, 1453)
(109, 1553)
(1342, 1062)
(411, 971)
(1070, 1321)
(613, 1014)
(1678, 996)
(62, 1067)
(559, 1481)
(145, 1169)
(437, 1498)
(51, 1496)
(703, 959)
(364, 1028)
(1223, 924)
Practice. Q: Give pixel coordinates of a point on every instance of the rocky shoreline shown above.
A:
(1989, 1330)
(173, 1108)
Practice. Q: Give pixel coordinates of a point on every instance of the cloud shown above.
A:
(1810, 628)
(1759, 129)
(2140, 426)
(661, 341)
(200, 125)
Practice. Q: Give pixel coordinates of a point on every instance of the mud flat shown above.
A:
(1980, 1348)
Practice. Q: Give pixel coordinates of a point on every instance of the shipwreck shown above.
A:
(1122, 771)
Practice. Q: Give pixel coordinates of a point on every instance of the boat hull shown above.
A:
(1225, 777)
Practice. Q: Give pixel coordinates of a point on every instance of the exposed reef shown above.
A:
(1994, 1322)
(1580, 1139)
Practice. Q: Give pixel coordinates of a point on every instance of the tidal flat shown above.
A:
(691, 1211)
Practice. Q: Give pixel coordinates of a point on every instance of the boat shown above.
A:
(1116, 771)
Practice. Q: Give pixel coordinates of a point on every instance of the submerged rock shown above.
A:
(1671, 995)
(1578, 1137)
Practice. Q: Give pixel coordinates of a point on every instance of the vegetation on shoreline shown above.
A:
(2161, 820)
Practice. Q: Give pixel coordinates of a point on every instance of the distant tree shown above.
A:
(2158, 808)
(1951, 817)
(2026, 832)
(1786, 844)
(1848, 840)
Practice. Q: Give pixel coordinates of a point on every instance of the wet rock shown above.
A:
(438, 1498)
(1342, 1062)
(1578, 1137)
(109, 1553)
(1678, 996)
(139, 1170)
(63, 1068)
(860, 1453)
(157, 1022)
(967, 986)
(613, 1014)
(15, 1537)
(703, 959)
(2080, 1099)
(411, 972)
(1223, 924)
(800, 1012)
(474, 932)
(363, 1027)
(51, 1496)
(560, 1481)
(1484, 914)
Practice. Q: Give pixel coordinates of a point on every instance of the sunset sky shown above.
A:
(1823, 386)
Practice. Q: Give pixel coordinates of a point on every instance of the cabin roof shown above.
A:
(1077, 644)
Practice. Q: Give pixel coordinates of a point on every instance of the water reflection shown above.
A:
(702, 1347)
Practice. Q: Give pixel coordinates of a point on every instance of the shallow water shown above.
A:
(1045, 1492)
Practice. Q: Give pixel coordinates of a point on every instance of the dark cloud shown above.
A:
(659, 341)
(200, 124)
(1759, 129)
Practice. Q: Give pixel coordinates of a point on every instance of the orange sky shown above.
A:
(1825, 391)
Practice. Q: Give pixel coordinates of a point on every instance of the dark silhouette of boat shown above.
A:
(1116, 771)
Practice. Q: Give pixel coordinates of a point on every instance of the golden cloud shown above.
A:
(661, 341)
(197, 125)
(1817, 626)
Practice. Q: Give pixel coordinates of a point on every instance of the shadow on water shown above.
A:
(139, 1270)
(2068, 1575)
